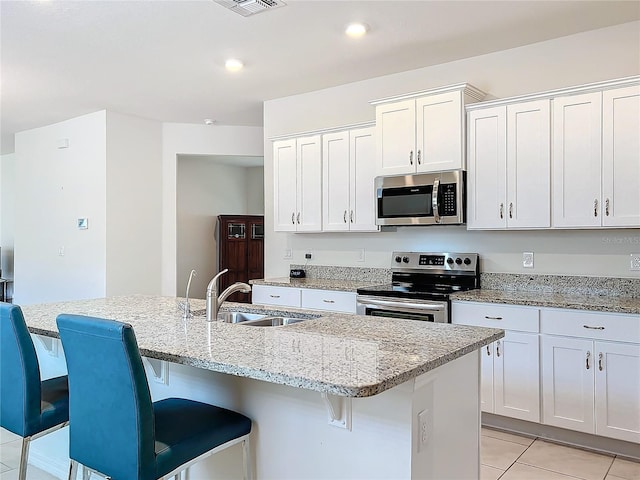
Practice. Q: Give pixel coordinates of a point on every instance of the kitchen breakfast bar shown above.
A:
(333, 396)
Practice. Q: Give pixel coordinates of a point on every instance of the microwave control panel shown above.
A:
(449, 202)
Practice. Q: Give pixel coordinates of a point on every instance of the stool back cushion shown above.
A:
(19, 374)
(110, 410)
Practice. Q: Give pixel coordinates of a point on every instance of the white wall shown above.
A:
(205, 189)
(134, 205)
(7, 214)
(188, 139)
(255, 190)
(587, 57)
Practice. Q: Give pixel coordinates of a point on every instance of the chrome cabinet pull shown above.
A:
(588, 357)
(298, 218)
(293, 218)
(351, 216)
(411, 157)
(593, 328)
(328, 301)
(274, 296)
(595, 207)
(344, 217)
(419, 162)
(600, 361)
(606, 207)
(492, 318)
(488, 351)
(511, 210)
(498, 348)
(502, 210)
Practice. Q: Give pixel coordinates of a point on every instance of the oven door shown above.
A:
(424, 310)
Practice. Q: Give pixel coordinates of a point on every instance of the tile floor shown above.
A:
(504, 456)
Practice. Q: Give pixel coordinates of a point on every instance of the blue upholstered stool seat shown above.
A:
(115, 428)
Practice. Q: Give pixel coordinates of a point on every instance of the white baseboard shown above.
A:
(56, 466)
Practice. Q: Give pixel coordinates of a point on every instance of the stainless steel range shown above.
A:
(420, 286)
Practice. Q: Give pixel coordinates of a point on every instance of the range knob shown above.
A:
(398, 259)
(405, 259)
(467, 261)
(458, 261)
(450, 261)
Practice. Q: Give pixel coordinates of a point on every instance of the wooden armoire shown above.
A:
(241, 250)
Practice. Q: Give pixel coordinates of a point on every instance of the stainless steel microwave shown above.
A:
(436, 198)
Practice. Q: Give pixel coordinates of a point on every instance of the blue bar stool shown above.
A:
(29, 407)
(115, 429)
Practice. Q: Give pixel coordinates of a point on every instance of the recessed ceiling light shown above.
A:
(356, 29)
(233, 65)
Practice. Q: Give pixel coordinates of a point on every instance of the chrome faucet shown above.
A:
(186, 305)
(214, 301)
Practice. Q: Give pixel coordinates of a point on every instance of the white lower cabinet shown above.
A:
(510, 366)
(271, 295)
(310, 298)
(591, 380)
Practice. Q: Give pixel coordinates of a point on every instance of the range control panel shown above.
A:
(465, 262)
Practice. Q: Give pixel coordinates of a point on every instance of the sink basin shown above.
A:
(238, 317)
(272, 321)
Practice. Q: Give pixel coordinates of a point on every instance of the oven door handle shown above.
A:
(417, 306)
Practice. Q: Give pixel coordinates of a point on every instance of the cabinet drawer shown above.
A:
(329, 300)
(268, 295)
(507, 317)
(599, 326)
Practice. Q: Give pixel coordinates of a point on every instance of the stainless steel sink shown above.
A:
(238, 317)
(272, 321)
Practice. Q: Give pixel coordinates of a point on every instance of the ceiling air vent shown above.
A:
(250, 7)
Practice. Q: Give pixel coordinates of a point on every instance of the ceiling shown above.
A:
(164, 60)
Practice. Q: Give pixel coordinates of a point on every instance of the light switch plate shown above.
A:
(527, 259)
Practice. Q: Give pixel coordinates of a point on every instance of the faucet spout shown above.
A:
(231, 289)
(214, 301)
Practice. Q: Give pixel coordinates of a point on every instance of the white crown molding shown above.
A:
(467, 90)
(308, 133)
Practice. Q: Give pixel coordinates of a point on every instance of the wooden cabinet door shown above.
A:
(284, 185)
(620, 157)
(255, 248)
(529, 165)
(362, 173)
(335, 182)
(517, 376)
(309, 189)
(567, 383)
(396, 138)
(617, 390)
(486, 196)
(439, 132)
(576, 157)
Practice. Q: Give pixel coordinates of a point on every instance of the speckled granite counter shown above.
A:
(319, 283)
(554, 300)
(310, 354)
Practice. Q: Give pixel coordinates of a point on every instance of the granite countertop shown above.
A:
(596, 303)
(319, 283)
(347, 355)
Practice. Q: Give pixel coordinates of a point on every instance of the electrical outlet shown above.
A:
(423, 429)
(527, 259)
(61, 251)
(635, 262)
(361, 255)
(287, 253)
(308, 255)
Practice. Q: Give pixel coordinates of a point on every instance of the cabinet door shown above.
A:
(529, 165)
(284, 185)
(396, 138)
(577, 160)
(618, 390)
(362, 154)
(271, 295)
(517, 376)
(487, 168)
(309, 216)
(335, 301)
(439, 132)
(620, 162)
(567, 383)
(335, 182)
(486, 378)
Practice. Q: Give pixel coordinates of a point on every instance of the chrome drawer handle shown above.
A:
(344, 217)
(351, 216)
(600, 361)
(595, 207)
(593, 328)
(328, 301)
(411, 157)
(511, 210)
(293, 218)
(419, 162)
(498, 348)
(606, 207)
(274, 296)
(488, 351)
(502, 210)
(298, 217)
(588, 357)
(492, 318)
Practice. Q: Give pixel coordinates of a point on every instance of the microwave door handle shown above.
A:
(434, 200)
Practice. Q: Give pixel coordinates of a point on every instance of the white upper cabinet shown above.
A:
(348, 165)
(509, 166)
(297, 173)
(423, 132)
(621, 157)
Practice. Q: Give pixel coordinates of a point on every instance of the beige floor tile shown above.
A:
(490, 473)
(33, 473)
(520, 471)
(613, 477)
(625, 469)
(499, 453)
(509, 437)
(567, 460)
(7, 436)
(10, 453)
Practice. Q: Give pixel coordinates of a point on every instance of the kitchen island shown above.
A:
(334, 396)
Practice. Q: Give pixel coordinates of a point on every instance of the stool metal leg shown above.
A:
(73, 470)
(246, 456)
(24, 458)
